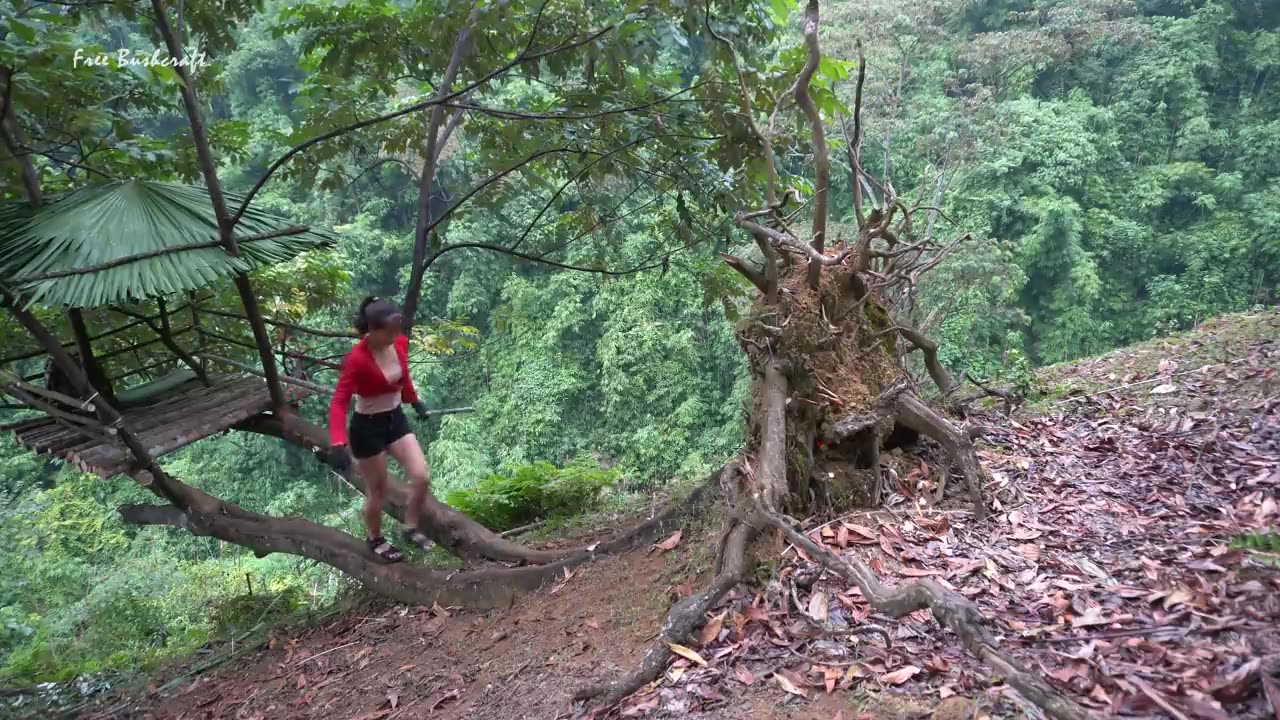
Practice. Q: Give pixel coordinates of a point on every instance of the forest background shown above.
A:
(1115, 164)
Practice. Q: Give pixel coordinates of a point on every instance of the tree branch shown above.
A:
(781, 239)
(226, 224)
(748, 272)
(748, 112)
(426, 180)
(337, 132)
(822, 164)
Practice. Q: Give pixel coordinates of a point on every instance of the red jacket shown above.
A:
(361, 375)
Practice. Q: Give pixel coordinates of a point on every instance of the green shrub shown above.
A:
(523, 494)
(243, 613)
(1267, 541)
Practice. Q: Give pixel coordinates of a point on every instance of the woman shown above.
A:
(376, 373)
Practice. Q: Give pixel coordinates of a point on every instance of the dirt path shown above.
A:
(1109, 567)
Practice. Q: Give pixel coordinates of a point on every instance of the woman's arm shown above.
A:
(341, 401)
(407, 392)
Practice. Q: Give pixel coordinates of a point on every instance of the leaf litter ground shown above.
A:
(1111, 566)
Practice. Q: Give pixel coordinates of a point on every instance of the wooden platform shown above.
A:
(166, 425)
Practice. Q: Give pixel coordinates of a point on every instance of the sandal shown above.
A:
(418, 539)
(384, 550)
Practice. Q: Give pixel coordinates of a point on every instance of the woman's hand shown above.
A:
(340, 459)
(421, 408)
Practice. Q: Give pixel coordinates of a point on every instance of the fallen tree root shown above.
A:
(912, 412)
(684, 616)
(491, 588)
(951, 609)
(460, 535)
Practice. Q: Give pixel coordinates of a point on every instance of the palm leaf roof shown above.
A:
(102, 223)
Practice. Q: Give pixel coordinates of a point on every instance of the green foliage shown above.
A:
(1115, 165)
(526, 493)
(133, 218)
(1264, 545)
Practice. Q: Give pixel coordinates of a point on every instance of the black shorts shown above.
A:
(371, 434)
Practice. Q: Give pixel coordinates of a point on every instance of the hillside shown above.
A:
(1114, 566)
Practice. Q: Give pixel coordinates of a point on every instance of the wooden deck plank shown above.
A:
(169, 424)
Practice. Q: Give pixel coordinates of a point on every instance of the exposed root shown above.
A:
(915, 414)
(951, 609)
(940, 376)
(684, 616)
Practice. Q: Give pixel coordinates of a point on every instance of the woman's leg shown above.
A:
(374, 471)
(408, 453)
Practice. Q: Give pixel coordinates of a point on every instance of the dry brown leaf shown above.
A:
(1272, 691)
(675, 673)
(937, 664)
(302, 681)
(854, 672)
(711, 630)
(439, 611)
(376, 715)
(867, 535)
(1091, 617)
(642, 707)
(688, 653)
(1176, 597)
(1029, 551)
(393, 699)
(744, 676)
(945, 692)
(899, 676)
(886, 544)
(406, 668)
(830, 676)
(842, 537)
(818, 606)
(1237, 684)
(788, 685)
(671, 542)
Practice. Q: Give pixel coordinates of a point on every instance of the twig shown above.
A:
(326, 652)
(1156, 697)
(519, 670)
(521, 529)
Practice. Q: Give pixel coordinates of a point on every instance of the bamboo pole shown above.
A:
(320, 388)
(99, 336)
(165, 333)
(67, 400)
(75, 423)
(287, 353)
(144, 368)
(147, 343)
(291, 326)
